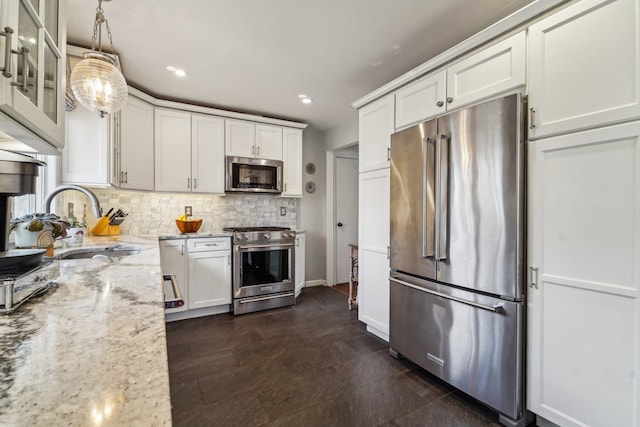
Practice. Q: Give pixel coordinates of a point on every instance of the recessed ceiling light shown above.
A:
(178, 72)
(302, 96)
(307, 100)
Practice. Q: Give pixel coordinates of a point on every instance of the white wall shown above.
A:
(311, 215)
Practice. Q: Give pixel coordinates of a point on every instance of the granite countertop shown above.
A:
(92, 351)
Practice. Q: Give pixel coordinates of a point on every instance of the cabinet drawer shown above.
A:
(209, 244)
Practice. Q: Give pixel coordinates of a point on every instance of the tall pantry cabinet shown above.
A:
(375, 128)
(583, 356)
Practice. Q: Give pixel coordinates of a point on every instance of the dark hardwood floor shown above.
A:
(312, 364)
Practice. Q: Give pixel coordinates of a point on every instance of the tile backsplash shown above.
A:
(155, 213)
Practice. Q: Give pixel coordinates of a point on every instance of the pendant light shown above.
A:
(95, 81)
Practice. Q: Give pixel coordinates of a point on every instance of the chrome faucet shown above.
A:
(96, 204)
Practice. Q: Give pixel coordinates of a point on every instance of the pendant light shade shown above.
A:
(98, 85)
(95, 81)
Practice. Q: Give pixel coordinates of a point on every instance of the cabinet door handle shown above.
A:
(182, 249)
(532, 118)
(439, 103)
(195, 183)
(388, 252)
(388, 153)
(188, 182)
(533, 277)
(449, 100)
(126, 177)
(228, 259)
(211, 244)
(258, 150)
(285, 187)
(8, 33)
(22, 87)
(253, 149)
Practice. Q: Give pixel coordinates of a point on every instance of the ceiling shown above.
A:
(258, 56)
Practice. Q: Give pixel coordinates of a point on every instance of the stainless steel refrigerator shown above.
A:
(457, 251)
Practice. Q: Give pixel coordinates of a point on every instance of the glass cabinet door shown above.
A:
(34, 92)
(28, 45)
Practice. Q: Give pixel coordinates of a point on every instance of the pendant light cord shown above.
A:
(97, 30)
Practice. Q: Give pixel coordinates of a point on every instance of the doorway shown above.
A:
(346, 218)
(342, 204)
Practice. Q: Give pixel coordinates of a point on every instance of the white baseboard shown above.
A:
(199, 312)
(311, 283)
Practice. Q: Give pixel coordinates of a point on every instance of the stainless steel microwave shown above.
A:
(245, 174)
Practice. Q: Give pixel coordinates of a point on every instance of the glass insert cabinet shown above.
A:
(32, 66)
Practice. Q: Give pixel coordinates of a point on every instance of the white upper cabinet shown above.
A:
(485, 74)
(172, 150)
(189, 152)
(37, 32)
(87, 156)
(268, 142)
(375, 128)
(584, 67)
(246, 139)
(240, 138)
(421, 100)
(584, 299)
(135, 152)
(494, 70)
(292, 160)
(207, 154)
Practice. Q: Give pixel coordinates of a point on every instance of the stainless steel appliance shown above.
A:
(253, 175)
(23, 272)
(263, 268)
(457, 251)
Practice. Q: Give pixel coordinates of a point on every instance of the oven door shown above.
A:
(261, 269)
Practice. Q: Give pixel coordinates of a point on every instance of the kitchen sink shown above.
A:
(100, 252)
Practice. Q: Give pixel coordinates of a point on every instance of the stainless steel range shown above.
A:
(263, 268)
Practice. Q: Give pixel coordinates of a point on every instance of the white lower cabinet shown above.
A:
(583, 352)
(173, 259)
(373, 252)
(202, 267)
(209, 270)
(300, 263)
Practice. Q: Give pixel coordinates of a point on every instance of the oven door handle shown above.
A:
(177, 300)
(273, 245)
(248, 300)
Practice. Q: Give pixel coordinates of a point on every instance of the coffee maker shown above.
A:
(24, 273)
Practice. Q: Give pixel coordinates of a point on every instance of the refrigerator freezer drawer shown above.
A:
(471, 341)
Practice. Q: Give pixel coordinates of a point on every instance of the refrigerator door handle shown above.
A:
(442, 196)
(493, 308)
(428, 198)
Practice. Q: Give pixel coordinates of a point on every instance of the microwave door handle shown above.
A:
(442, 196)
(428, 197)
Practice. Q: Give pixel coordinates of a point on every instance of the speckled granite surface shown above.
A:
(93, 350)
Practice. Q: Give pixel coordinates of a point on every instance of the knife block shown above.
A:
(102, 228)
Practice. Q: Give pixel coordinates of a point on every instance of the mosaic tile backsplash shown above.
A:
(155, 213)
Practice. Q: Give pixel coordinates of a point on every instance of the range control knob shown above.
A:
(267, 236)
(239, 236)
(285, 235)
(246, 237)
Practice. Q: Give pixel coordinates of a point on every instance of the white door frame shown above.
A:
(331, 208)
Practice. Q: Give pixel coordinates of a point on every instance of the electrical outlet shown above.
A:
(188, 211)
(283, 210)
